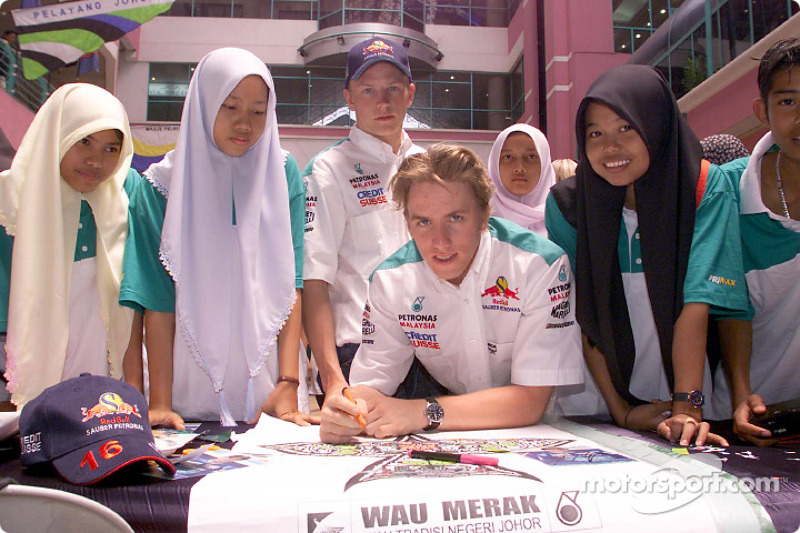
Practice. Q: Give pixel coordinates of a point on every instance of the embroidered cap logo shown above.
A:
(109, 403)
(377, 48)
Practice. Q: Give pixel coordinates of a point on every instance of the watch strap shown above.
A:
(432, 409)
(695, 397)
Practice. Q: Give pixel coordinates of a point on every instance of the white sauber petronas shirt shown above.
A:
(511, 321)
(351, 222)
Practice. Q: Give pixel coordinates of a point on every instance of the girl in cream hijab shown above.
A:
(223, 332)
(64, 211)
(520, 167)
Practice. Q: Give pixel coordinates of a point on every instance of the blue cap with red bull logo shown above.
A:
(89, 427)
(367, 53)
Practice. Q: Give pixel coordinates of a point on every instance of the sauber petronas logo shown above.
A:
(500, 290)
(501, 295)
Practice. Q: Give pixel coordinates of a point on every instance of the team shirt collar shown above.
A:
(750, 185)
(381, 150)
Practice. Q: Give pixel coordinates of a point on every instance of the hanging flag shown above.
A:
(89, 63)
(54, 35)
(151, 143)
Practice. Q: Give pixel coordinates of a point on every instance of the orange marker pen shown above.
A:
(359, 417)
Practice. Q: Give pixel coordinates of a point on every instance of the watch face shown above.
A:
(434, 412)
(697, 398)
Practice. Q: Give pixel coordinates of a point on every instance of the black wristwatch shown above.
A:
(434, 413)
(695, 398)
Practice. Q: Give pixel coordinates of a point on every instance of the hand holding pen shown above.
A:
(342, 418)
(359, 417)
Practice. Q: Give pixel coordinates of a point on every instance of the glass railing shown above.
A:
(635, 22)
(403, 13)
(629, 39)
(251, 9)
(31, 93)
(413, 14)
(725, 31)
(313, 96)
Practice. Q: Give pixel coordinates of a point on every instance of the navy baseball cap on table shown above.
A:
(367, 53)
(89, 427)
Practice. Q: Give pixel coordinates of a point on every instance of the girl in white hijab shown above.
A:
(66, 180)
(227, 244)
(520, 167)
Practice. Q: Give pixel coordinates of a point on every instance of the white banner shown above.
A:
(75, 10)
(546, 480)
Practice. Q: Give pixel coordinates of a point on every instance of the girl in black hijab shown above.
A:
(654, 243)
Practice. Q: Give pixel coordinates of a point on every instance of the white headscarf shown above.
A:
(198, 241)
(42, 212)
(528, 210)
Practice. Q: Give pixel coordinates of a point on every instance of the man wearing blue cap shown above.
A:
(351, 224)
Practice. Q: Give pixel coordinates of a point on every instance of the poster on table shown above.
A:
(547, 479)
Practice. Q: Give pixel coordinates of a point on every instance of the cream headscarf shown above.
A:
(198, 239)
(528, 210)
(42, 211)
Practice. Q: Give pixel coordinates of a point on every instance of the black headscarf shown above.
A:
(6, 152)
(665, 205)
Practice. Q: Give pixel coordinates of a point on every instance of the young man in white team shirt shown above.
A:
(350, 225)
(485, 305)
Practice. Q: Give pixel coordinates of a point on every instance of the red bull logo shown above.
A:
(109, 403)
(500, 290)
(377, 48)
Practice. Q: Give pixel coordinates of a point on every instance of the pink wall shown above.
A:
(14, 118)
(726, 108)
(751, 140)
(579, 44)
(525, 22)
(135, 38)
(515, 25)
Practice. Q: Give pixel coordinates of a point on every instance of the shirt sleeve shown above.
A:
(145, 283)
(715, 274)
(733, 170)
(547, 346)
(559, 230)
(297, 213)
(324, 224)
(132, 181)
(385, 355)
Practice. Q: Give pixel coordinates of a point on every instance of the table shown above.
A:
(156, 505)
(147, 504)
